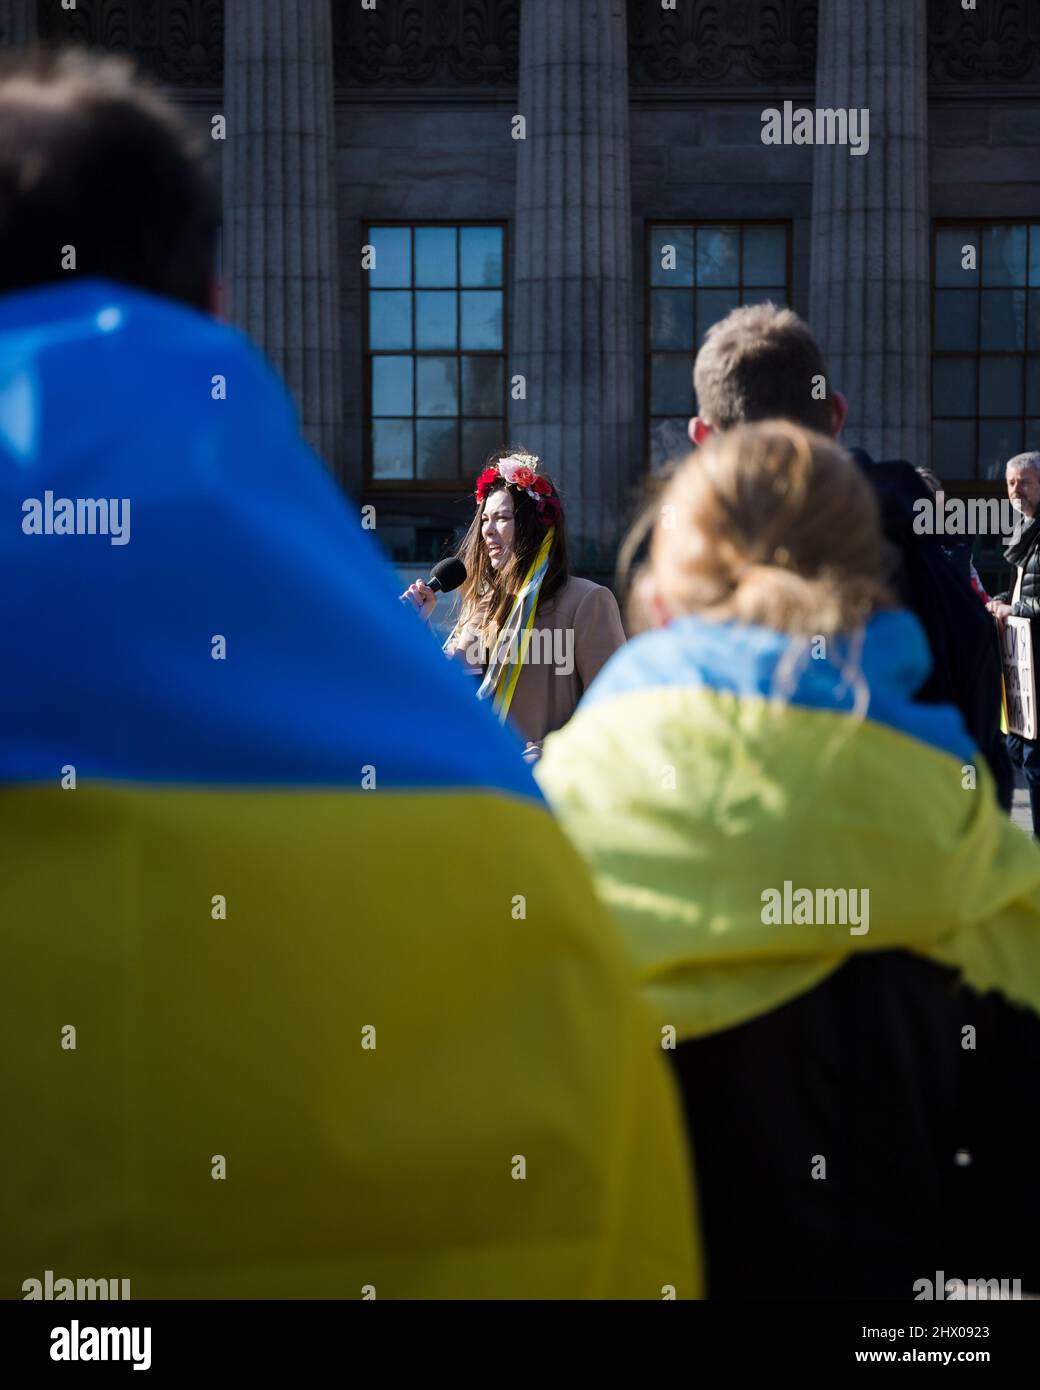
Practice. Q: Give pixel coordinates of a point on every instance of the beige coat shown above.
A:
(574, 634)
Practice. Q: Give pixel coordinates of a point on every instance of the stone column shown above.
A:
(572, 293)
(17, 22)
(280, 268)
(870, 252)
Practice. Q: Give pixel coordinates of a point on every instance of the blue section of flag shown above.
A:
(236, 530)
(744, 660)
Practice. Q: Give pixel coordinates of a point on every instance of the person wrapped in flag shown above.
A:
(533, 634)
(827, 906)
(249, 1048)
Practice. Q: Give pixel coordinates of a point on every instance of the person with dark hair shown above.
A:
(957, 552)
(101, 178)
(762, 362)
(246, 1051)
(533, 633)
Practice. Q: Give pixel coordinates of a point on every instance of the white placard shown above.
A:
(1016, 643)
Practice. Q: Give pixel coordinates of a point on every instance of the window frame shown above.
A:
(429, 485)
(974, 482)
(786, 223)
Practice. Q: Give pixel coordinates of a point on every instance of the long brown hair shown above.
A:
(487, 594)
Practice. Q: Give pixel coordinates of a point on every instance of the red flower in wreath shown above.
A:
(522, 477)
(484, 482)
(542, 486)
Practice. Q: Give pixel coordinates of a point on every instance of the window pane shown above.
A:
(435, 260)
(679, 238)
(418, 383)
(713, 305)
(671, 386)
(725, 266)
(437, 449)
(1033, 385)
(1003, 320)
(953, 448)
(953, 386)
(671, 318)
(765, 255)
(717, 255)
(480, 255)
(1006, 384)
(949, 253)
(768, 294)
(436, 386)
(480, 438)
(1000, 386)
(999, 440)
(1004, 256)
(668, 440)
(391, 448)
(1032, 434)
(482, 319)
(435, 319)
(389, 319)
(956, 326)
(1033, 326)
(482, 386)
(391, 386)
(393, 255)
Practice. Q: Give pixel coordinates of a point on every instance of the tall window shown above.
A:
(696, 273)
(985, 346)
(434, 352)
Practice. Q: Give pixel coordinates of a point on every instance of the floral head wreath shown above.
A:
(521, 471)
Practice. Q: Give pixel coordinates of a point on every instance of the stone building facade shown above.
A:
(517, 170)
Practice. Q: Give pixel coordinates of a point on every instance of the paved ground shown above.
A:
(1020, 809)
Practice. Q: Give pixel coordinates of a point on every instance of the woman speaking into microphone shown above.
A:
(534, 634)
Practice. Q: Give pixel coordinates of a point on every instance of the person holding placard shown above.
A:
(1022, 600)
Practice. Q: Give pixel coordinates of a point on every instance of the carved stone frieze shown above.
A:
(997, 42)
(705, 46)
(732, 42)
(465, 43)
(181, 42)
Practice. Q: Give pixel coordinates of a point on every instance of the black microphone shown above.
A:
(447, 575)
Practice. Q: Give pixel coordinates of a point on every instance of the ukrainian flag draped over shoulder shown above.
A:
(712, 767)
(317, 1048)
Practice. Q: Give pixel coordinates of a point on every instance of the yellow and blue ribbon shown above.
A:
(505, 665)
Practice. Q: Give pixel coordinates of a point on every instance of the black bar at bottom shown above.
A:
(68, 1339)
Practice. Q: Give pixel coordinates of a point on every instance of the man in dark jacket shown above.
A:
(1022, 599)
(930, 1143)
(762, 363)
(964, 645)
